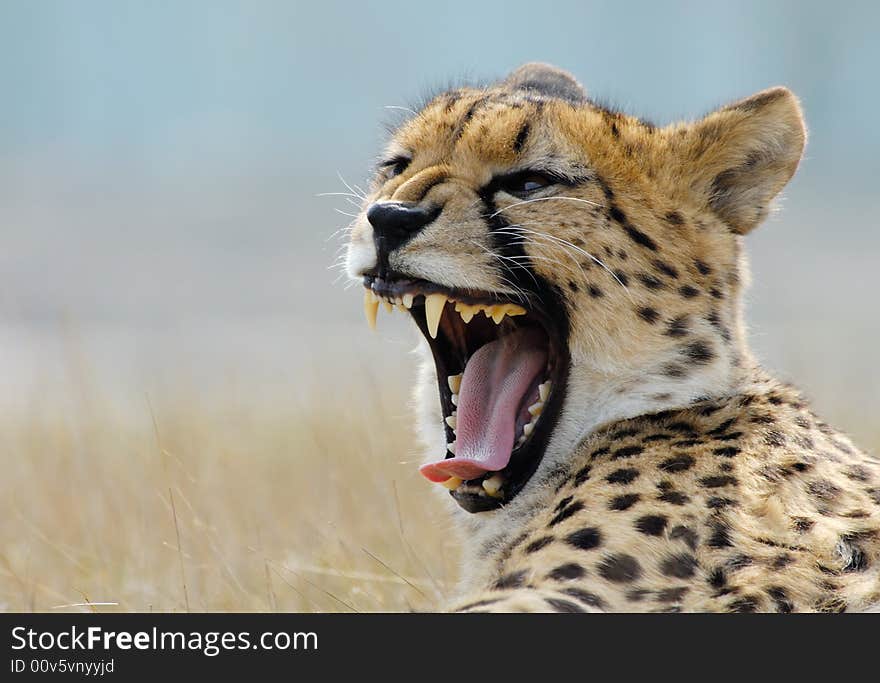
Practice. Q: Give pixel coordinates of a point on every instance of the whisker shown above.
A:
(523, 296)
(516, 260)
(344, 230)
(580, 270)
(360, 194)
(574, 247)
(350, 198)
(535, 257)
(519, 293)
(394, 106)
(336, 194)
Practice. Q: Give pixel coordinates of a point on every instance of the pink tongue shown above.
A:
(493, 388)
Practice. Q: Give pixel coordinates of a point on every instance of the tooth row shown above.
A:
(454, 382)
(496, 312)
(492, 485)
(406, 300)
(434, 305)
(372, 301)
(535, 411)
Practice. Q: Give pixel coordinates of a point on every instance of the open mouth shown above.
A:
(501, 373)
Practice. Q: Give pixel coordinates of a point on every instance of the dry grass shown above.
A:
(238, 502)
(219, 508)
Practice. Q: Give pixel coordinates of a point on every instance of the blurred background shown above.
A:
(194, 415)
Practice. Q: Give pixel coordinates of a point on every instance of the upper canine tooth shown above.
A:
(408, 300)
(544, 391)
(434, 304)
(536, 408)
(371, 307)
(454, 382)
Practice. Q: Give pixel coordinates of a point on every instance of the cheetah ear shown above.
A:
(547, 80)
(742, 155)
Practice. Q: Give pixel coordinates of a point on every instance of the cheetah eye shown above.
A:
(396, 166)
(524, 183)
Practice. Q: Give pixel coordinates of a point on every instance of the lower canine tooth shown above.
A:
(434, 304)
(371, 307)
(544, 391)
(493, 485)
(452, 483)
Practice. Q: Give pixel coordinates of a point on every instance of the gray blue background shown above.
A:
(160, 164)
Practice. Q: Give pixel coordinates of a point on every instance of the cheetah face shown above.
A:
(562, 261)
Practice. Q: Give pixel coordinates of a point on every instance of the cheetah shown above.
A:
(611, 443)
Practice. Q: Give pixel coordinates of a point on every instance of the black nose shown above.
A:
(394, 223)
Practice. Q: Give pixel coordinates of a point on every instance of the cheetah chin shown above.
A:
(502, 369)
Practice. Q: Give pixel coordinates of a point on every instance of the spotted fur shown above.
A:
(680, 476)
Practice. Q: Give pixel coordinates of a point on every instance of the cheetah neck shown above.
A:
(596, 398)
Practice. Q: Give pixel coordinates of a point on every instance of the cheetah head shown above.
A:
(567, 264)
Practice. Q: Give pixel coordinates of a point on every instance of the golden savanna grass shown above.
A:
(228, 501)
(205, 507)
